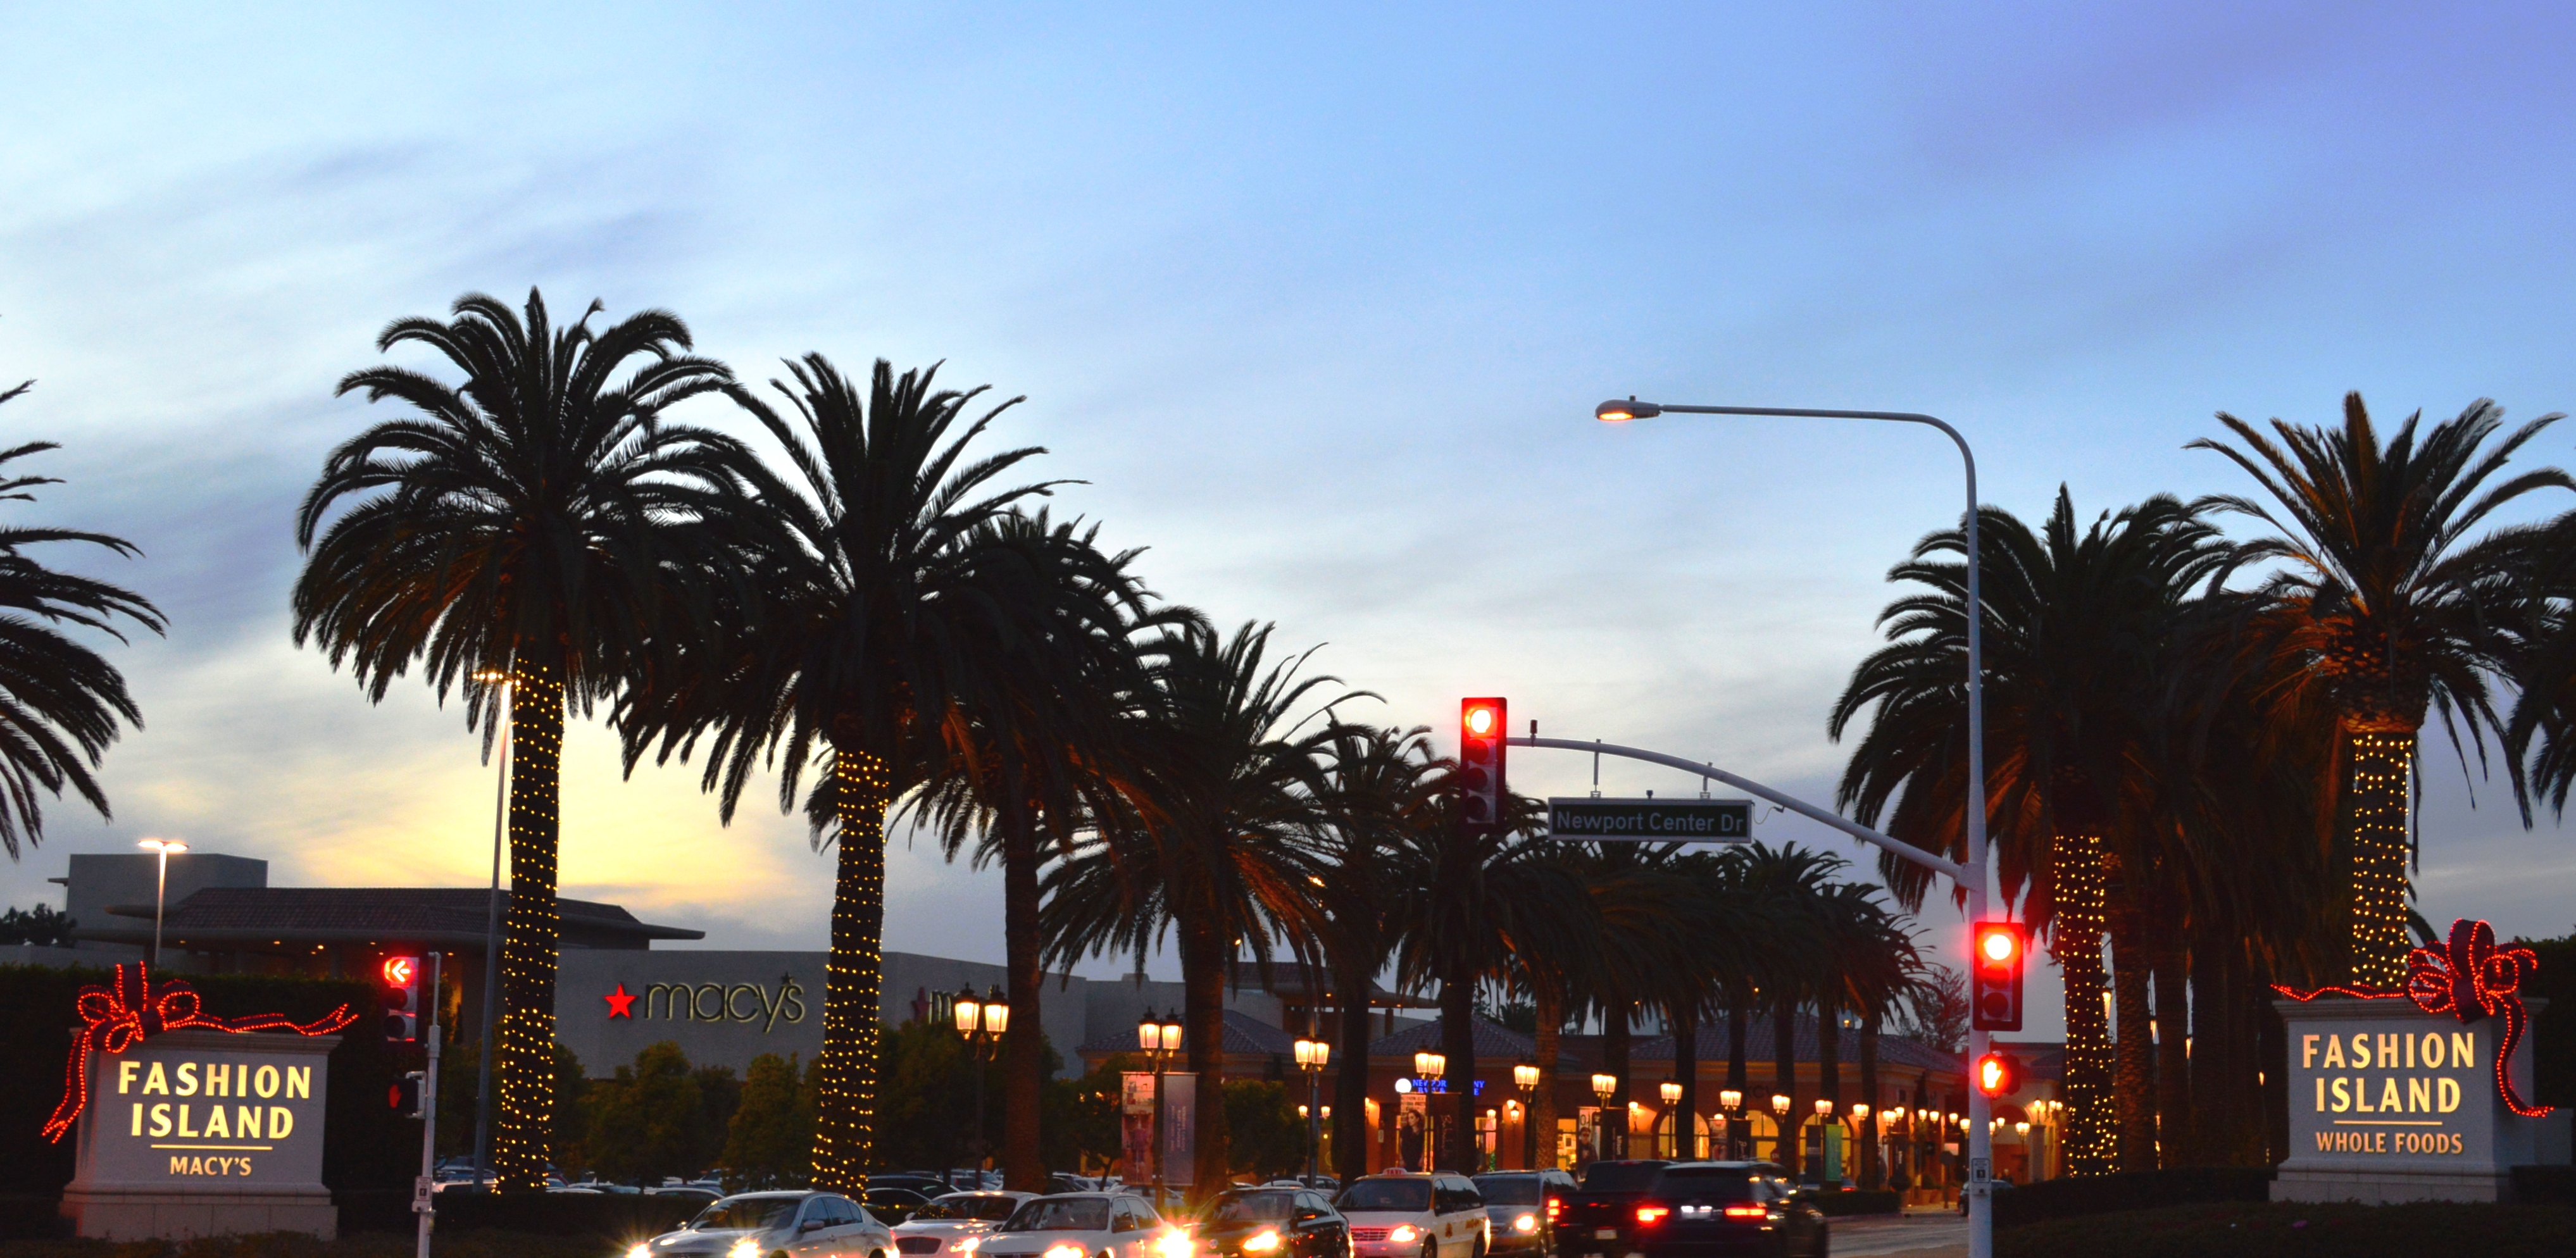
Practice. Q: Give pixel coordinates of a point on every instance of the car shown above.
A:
(1602, 1210)
(946, 1223)
(686, 1192)
(1078, 1225)
(1704, 1209)
(775, 1225)
(923, 1182)
(1268, 1222)
(1521, 1209)
(893, 1204)
(1415, 1216)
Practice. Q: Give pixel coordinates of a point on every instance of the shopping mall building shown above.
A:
(617, 992)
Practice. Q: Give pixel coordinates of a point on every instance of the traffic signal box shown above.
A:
(1994, 979)
(400, 994)
(1998, 1074)
(404, 1095)
(1480, 764)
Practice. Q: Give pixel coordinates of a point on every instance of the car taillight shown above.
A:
(1652, 1214)
(1745, 1212)
(1554, 1204)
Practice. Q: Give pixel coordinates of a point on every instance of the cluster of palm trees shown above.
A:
(2205, 749)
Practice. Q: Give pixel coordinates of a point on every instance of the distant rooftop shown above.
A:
(454, 917)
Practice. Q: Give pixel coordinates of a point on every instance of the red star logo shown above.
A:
(620, 1005)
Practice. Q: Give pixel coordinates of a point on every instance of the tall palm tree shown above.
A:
(1381, 783)
(60, 701)
(894, 613)
(1031, 769)
(2079, 622)
(538, 522)
(2398, 608)
(1230, 768)
(1870, 963)
(1792, 882)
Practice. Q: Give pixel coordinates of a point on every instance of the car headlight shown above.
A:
(1173, 1244)
(1261, 1242)
(1403, 1232)
(641, 1250)
(1062, 1250)
(969, 1245)
(1525, 1223)
(747, 1247)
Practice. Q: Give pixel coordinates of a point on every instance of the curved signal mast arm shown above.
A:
(1951, 869)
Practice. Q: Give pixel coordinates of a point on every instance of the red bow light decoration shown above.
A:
(2469, 979)
(124, 1014)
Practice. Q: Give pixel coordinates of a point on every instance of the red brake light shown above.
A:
(1652, 1214)
(1745, 1212)
(1554, 1204)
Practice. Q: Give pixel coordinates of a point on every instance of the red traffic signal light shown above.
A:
(1998, 1074)
(1994, 976)
(1480, 763)
(405, 1095)
(400, 996)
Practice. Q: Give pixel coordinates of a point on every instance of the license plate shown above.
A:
(1605, 1234)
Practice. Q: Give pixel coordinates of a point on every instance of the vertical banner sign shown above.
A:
(1136, 1125)
(1180, 1128)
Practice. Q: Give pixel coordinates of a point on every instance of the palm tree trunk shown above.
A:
(1458, 1044)
(523, 1056)
(1870, 1176)
(1549, 996)
(1024, 1061)
(2213, 1059)
(1829, 1059)
(2075, 939)
(1784, 1082)
(1685, 1028)
(1203, 977)
(2381, 758)
(2135, 1079)
(1615, 1041)
(2173, 1051)
(845, 1109)
(1739, 1024)
(1353, 976)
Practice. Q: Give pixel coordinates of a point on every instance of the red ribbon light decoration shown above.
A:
(123, 1015)
(2469, 979)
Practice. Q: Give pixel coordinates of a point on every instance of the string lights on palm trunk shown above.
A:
(845, 1107)
(2382, 764)
(524, 1048)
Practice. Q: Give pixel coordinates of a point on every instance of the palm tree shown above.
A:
(1792, 882)
(894, 613)
(1870, 964)
(2398, 610)
(2078, 626)
(536, 522)
(1229, 774)
(1026, 776)
(59, 701)
(1381, 782)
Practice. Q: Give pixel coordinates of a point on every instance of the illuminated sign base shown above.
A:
(2390, 1103)
(204, 1133)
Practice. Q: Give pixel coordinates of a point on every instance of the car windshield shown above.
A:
(1509, 1190)
(1411, 1196)
(1056, 1214)
(1621, 1176)
(747, 1214)
(1250, 1207)
(1706, 1183)
(986, 1207)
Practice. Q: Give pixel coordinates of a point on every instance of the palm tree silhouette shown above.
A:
(1380, 783)
(536, 522)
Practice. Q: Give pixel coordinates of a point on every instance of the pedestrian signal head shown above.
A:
(1998, 1075)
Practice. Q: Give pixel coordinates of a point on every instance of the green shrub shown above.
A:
(2077, 1196)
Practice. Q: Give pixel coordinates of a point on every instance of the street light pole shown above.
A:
(1160, 1038)
(165, 849)
(1981, 1219)
(982, 1024)
(492, 931)
(1525, 1077)
(1311, 1056)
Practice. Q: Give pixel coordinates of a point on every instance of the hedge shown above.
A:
(612, 1219)
(2430, 1229)
(1838, 1204)
(2076, 1196)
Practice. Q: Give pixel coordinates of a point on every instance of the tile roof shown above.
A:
(1245, 1036)
(1289, 979)
(1893, 1050)
(421, 914)
(1493, 1042)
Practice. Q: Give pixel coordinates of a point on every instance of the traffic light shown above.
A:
(1480, 764)
(404, 1096)
(1994, 983)
(1998, 1075)
(401, 997)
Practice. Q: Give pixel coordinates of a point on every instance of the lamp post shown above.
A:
(1525, 1078)
(492, 928)
(1731, 1100)
(1430, 1066)
(1861, 1136)
(1602, 1087)
(1780, 1128)
(1311, 1056)
(1160, 1038)
(981, 1024)
(165, 849)
(1981, 1219)
(1671, 1091)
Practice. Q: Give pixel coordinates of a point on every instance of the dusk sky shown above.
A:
(1318, 300)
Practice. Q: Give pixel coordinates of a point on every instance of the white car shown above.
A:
(775, 1225)
(1439, 1215)
(947, 1223)
(1079, 1225)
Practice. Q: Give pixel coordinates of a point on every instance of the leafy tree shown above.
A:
(1083, 1124)
(770, 1139)
(657, 1117)
(536, 522)
(41, 926)
(1267, 1140)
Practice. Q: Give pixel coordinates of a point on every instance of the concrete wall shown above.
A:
(97, 881)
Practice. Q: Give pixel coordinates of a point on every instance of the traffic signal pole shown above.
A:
(421, 1199)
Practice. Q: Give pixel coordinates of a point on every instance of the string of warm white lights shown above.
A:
(524, 1049)
(845, 1107)
(2381, 765)
(2089, 1142)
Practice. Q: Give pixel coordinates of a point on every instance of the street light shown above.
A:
(1160, 1038)
(1430, 1065)
(1311, 1056)
(1602, 1087)
(1731, 1100)
(1525, 1078)
(1981, 1219)
(980, 1024)
(165, 848)
(1671, 1091)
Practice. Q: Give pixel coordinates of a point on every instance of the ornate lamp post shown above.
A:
(981, 1024)
(1311, 1056)
(1731, 1101)
(1525, 1078)
(1671, 1091)
(1160, 1038)
(1602, 1087)
(1429, 1067)
(1780, 1123)
(1861, 1135)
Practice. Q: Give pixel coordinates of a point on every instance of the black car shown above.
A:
(1521, 1208)
(1722, 1209)
(1599, 1214)
(892, 1204)
(1271, 1223)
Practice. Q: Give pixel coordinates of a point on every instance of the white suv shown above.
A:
(1439, 1215)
